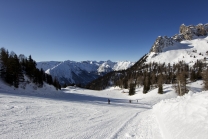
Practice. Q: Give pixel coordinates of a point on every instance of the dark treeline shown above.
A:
(153, 75)
(13, 68)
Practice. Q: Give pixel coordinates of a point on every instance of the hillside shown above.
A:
(188, 51)
(81, 73)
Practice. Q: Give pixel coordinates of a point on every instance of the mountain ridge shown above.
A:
(72, 72)
(185, 33)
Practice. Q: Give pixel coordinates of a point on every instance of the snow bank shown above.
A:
(183, 117)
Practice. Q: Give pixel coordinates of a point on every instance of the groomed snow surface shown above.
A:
(76, 113)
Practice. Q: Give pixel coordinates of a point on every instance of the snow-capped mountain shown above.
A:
(47, 65)
(81, 72)
(188, 51)
(185, 33)
(190, 45)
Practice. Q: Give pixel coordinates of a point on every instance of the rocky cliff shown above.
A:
(185, 33)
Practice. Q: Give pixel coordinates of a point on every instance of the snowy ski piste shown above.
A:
(76, 113)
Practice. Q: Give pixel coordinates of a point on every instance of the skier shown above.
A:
(108, 101)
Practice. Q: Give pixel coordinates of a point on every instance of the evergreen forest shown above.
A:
(154, 75)
(16, 70)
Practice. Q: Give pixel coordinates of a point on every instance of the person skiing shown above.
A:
(108, 101)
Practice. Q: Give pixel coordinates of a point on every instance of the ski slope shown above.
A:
(76, 113)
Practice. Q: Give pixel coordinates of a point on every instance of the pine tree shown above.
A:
(160, 89)
(147, 83)
(10, 70)
(64, 86)
(4, 56)
(16, 71)
(56, 84)
(132, 89)
(125, 82)
(43, 74)
(160, 82)
(145, 88)
(49, 79)
(38, 78)
(193, 75)
(198, 75)
(30, 67)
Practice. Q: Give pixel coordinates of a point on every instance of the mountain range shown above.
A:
(72, 72)
(189, 46)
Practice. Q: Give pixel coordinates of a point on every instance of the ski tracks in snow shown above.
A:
(142, 125)
(33, 118)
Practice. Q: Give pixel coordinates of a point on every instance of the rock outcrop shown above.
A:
(161, 42)
(185, 33)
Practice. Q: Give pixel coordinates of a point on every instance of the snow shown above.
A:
(47, 65)
(122, 65)
(89, 66)
(184, 117)
(64, 71)
(183, 51)
(80, 113)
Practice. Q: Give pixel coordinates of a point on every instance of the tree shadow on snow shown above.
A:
(166, 91)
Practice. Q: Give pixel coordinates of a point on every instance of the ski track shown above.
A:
(24, 117)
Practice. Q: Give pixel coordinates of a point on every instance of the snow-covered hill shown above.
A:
(81, 72)
(190, 45)
(188, 51)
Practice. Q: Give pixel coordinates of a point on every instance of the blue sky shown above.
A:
(80, 30)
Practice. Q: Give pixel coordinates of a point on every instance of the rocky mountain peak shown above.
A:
(185, 33)
(160, 43)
